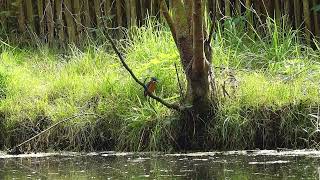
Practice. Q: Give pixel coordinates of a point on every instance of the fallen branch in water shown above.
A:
(15, 150)
(168, 105)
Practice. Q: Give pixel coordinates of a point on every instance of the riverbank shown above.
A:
(268, 93)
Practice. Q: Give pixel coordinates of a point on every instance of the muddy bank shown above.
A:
(290, 126)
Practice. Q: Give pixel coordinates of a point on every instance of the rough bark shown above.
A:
(77, 16)
(165, 12)
(41, 17)
(277, 4)
(142, 10)
(297, 13)
(30, 14)
(287, 11)
(97, 12)
(189, 11)
(119, 13)
(316, 19)
(307, 20)
(128, 12)
(199, 78)
(249, 16)
(21, 16)
(133, 13)
(107, 13)
(227, 8)
(3, 18)
(69, 21)
(86, 9)
(152, 9)
(238, 6)
(269, 8)
(50, 22)
(219, 9)
(59, 24)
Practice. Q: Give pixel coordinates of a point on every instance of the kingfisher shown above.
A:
(151, 86)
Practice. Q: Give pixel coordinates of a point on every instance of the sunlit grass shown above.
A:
(271, 81)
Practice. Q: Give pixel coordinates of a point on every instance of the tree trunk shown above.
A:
(133, 13)
(41, 18)
(238, 7)
(287, 12)
(227, 7)
(97, 12)
(199, 77)
(86, 11)
(316, 19)
(30, 14)
(297, 13)
(128, 13)
(50, 22)
(307, 20)
(3, 18)
(188, 32)
(268, 8)
(188, 29)
(277, 6)
(59, 24)
(107, 13)
(77, 15)
(142, 10)
(249, 16)
(69, 21)
(21, 17)
(219, 10)
(152, 10)
(119, 13)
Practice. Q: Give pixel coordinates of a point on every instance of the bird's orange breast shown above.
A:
(151, 87)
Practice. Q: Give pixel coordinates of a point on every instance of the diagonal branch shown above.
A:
(168, 105)
(165, 12)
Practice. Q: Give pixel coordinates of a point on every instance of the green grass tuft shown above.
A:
(271, 80)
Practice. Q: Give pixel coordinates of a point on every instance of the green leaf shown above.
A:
(316, 8)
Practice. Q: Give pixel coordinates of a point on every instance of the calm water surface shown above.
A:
(303, 164)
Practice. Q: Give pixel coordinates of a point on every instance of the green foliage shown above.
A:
(316, 8)
(271, 81)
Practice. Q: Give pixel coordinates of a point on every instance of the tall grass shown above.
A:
(271, 81)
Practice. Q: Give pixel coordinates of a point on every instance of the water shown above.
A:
(301, 164)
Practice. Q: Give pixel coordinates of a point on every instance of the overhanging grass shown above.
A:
(272, 82)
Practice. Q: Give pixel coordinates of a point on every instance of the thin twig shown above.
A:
(168, 105)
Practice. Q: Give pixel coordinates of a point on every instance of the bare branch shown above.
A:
(165, 12)
(168, 105)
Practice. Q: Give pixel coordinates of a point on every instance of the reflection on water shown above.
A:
(208, 165)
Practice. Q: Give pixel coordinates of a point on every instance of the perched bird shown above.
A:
(151, 86)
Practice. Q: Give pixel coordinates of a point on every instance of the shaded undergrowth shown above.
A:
(268, 91)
